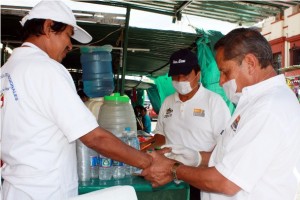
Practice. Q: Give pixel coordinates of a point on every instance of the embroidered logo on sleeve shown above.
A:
(199, 112)
(169, 112)
(235, 124)
(10, 87)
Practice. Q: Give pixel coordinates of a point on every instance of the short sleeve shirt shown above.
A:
(41, 117)
(196, 123)
(260, 147)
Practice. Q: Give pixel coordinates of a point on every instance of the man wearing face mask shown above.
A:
(257, 156)
(193, 117)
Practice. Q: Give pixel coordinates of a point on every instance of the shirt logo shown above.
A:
(169, 112)
(10, 87)
(235, 124)
(199, 112)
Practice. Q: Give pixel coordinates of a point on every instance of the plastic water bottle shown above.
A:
(94, 163)
(105, 168)
(119, 167)
(133, 141)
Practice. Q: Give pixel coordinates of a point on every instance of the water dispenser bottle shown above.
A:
(97, 73)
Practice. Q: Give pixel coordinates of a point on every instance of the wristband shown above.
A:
(174, 169)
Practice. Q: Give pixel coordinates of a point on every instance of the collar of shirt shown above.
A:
(261, 87)
(29, 44)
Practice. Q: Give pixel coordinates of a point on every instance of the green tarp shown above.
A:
(210, 74)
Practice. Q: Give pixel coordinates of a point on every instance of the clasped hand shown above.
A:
(159, 173)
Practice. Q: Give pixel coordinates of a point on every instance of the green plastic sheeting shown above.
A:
(210, 74)
(164, 86)
(154, 98)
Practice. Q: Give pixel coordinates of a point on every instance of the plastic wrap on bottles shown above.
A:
(94, 163)
(119, 168)
(133, 141)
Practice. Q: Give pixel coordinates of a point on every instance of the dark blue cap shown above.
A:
(182, 62)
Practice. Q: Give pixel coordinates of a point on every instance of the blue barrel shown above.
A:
(97, 73)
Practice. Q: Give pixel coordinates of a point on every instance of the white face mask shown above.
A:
(230, 90)
(183, 87)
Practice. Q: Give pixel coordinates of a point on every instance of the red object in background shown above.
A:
(134, 96)
(152, 113)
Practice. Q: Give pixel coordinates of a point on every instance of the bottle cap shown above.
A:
(117, 97)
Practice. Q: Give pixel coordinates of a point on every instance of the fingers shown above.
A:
(164, 150)
(158, 173)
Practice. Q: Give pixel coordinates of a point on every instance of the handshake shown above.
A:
(183, 154)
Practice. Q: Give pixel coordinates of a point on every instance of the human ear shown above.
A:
(252, 63)
(47, 27)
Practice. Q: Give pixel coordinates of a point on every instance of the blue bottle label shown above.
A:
(105, 162)
(94, 161)
(117, 163)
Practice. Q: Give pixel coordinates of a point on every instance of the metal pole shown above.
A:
(119, 69)
(3, 54)
(125, 49)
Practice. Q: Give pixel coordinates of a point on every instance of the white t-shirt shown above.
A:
(260, 147)
(41, 118)
(196, 123)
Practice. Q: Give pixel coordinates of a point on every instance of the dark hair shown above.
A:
(196, 69)
(239, 42)
(81, 93)
(143, 109)
(36, 27)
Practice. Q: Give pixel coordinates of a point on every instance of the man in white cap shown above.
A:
(42, 115)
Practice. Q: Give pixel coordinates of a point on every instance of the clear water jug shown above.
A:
(116, 114)
(97, 73)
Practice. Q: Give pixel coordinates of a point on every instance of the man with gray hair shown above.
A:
(258, 152)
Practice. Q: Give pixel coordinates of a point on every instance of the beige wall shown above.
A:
(285, 28)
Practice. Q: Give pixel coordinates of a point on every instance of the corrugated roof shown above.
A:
(240, 12)
(159, 43)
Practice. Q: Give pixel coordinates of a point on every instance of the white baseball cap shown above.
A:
(60, 12)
